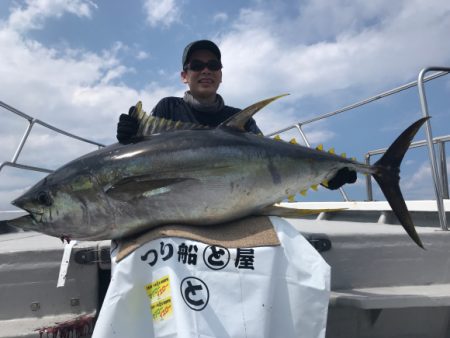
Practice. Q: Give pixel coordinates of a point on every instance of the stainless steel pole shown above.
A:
(432, 154)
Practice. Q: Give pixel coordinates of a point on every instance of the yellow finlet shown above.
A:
(291, 198)
(293, 141)
(303, 192)
(325, 183)
(353, 158)
(320, 147)
(277, 138)
(314, 187)
(331, 151)
(344, 155)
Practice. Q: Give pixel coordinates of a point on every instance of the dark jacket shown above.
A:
(177, 109)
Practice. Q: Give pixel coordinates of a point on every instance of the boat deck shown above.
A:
(383, 284)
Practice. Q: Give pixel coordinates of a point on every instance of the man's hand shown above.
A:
(127, 127)
(343, 176)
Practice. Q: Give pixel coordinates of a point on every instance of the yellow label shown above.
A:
(159, 289)
(162, 309)
(159, 294)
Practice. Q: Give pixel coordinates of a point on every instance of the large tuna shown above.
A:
(185, 174)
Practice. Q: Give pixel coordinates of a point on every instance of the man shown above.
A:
(202, 72)
(255, 277)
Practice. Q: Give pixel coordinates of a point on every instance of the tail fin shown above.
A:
(387, 176)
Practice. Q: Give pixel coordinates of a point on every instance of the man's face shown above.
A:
(203, 84)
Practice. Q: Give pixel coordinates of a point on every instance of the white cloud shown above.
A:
(142, 55)
(33, 15)
(383, 44)
(423, 172)
(114, 73)
(161, 12)
(76, 90)
(54, 84)
(220, 17)
(419, 184)
(47, 80)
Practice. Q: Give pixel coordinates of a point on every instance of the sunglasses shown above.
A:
(197, 65)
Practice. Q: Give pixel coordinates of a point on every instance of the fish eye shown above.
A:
(44, 198)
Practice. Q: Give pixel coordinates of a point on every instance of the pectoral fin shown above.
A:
(134, 187)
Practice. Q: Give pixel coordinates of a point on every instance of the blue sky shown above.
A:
(78, 64)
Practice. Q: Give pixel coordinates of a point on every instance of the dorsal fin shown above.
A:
(149, 125)
(239, 119)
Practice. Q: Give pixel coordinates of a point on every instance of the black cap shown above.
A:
(199, 45)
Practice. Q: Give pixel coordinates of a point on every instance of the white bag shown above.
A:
(174, 287)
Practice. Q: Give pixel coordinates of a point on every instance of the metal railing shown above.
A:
(439, 172)
(439, 141)
(31, 122)
(436, 175)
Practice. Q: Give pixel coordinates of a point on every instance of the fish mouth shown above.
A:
(24, 204)
(35, 214)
